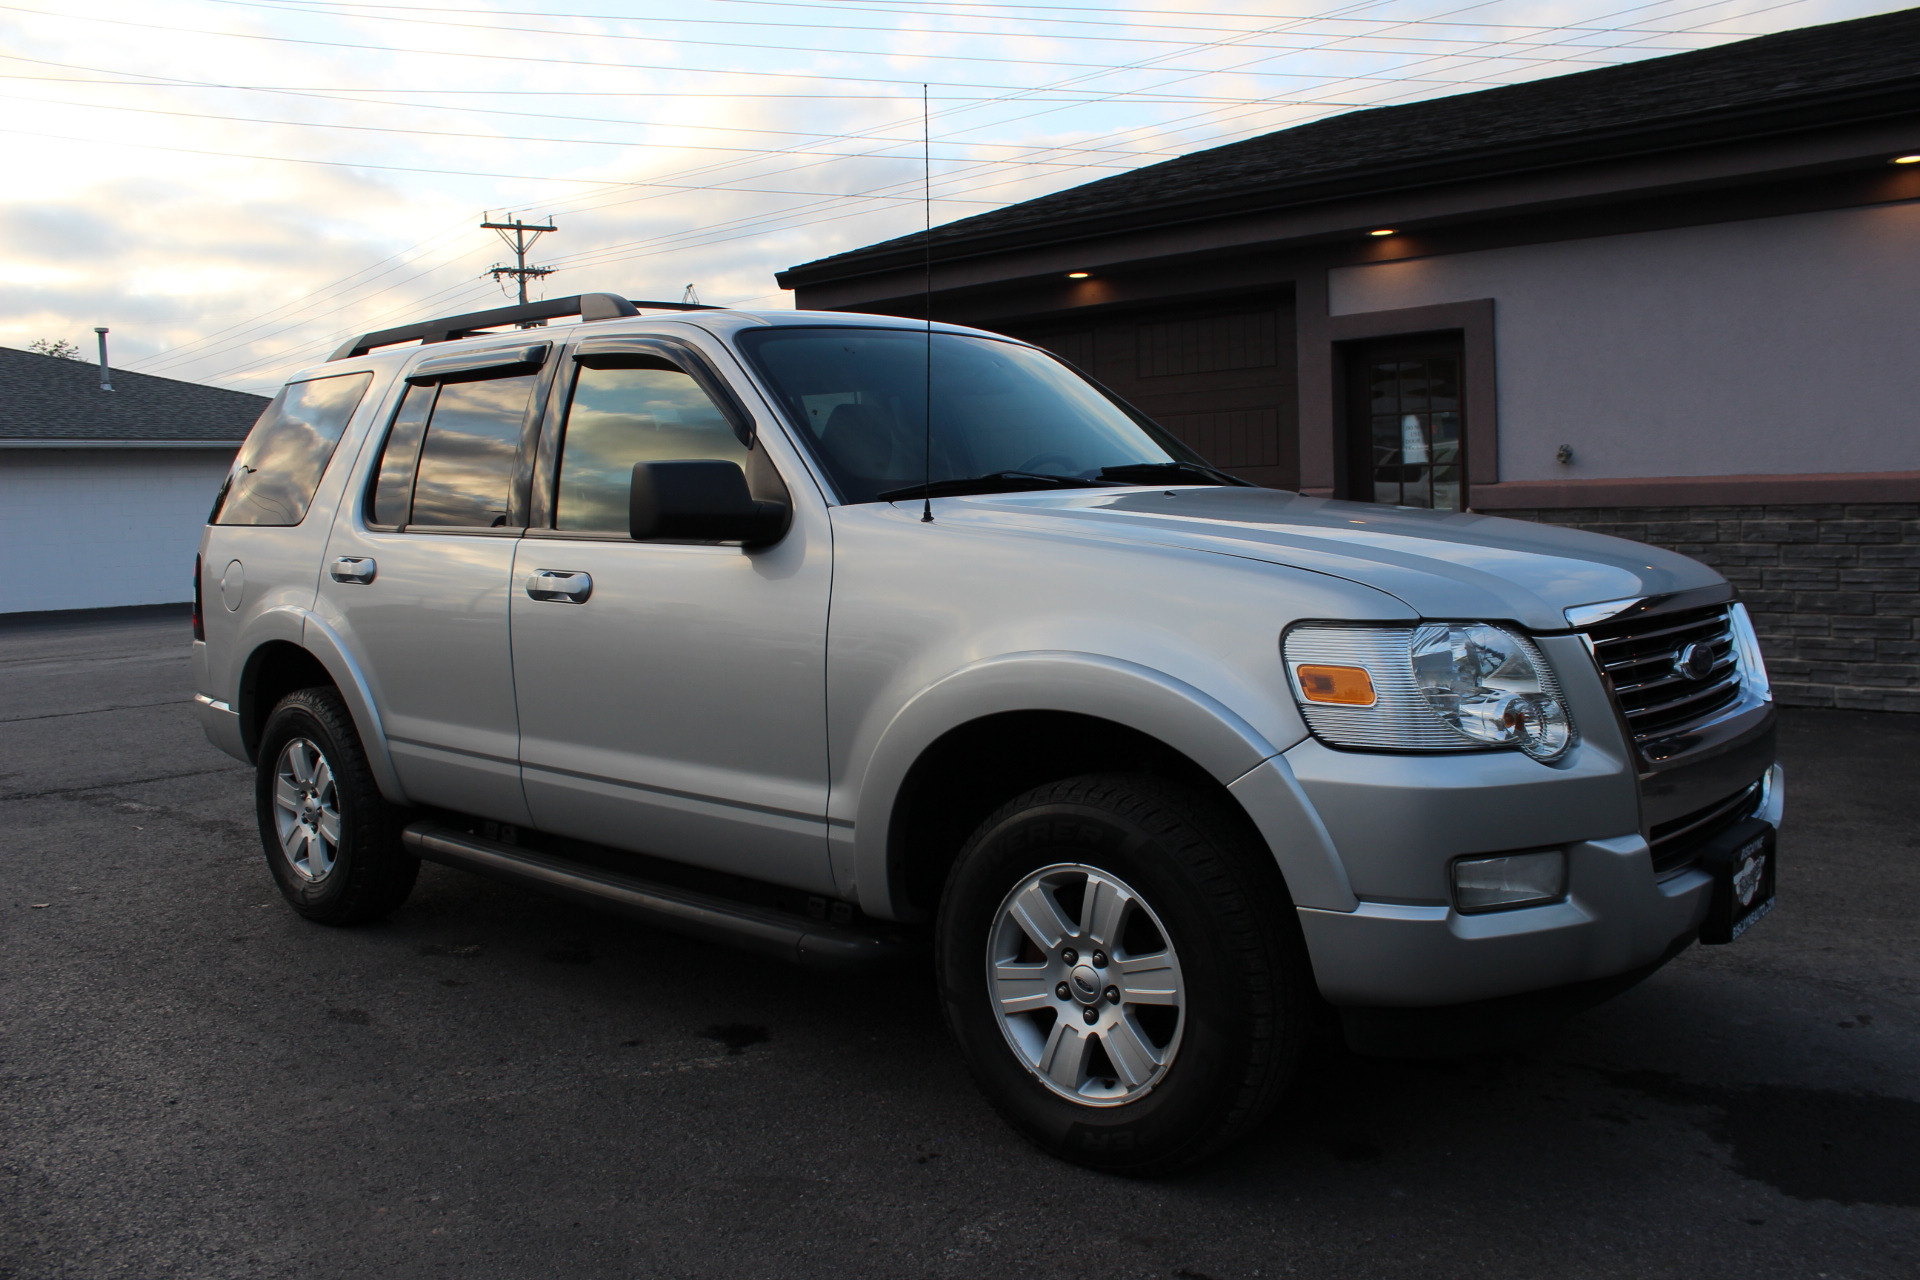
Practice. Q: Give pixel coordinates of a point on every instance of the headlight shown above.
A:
(1746, 645)
(1441, 686)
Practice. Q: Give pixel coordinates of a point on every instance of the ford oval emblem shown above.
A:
(1695, 661)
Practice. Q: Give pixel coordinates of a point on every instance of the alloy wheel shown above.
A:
(306, 810)
(1086, 984)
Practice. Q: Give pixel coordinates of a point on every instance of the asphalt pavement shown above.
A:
(196, 1082)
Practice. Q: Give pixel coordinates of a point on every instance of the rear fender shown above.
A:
(306, 629)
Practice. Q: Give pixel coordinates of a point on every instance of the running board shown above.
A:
(793, 938)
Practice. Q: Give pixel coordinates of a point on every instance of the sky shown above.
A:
(233, 186)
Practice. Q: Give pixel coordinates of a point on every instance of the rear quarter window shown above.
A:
(280, 465)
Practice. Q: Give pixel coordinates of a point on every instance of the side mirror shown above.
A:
(701, 501)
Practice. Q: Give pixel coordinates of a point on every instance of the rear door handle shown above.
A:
(354, 569)
(563, 585)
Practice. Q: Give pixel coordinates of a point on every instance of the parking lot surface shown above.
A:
(495, 1084)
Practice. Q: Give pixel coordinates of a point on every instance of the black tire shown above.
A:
(370, 873)
(1247, 988)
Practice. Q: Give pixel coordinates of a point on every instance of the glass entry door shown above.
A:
(1405, 423)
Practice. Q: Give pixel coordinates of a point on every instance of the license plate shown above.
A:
(1741, 862)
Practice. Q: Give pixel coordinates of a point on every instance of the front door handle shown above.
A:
(563, 585)
(354, 569)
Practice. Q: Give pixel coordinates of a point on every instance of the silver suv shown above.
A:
(842, 636)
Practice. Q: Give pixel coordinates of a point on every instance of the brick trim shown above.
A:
(1834, 588)
(1703, 491)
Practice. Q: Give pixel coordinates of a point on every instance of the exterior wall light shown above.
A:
(1912, 159)
(1384, 231)
(1082, 275)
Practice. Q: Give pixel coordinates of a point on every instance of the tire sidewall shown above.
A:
(1182, 1110)
(296, 718)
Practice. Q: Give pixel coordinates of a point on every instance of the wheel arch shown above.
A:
(986, 733)
(276, 667)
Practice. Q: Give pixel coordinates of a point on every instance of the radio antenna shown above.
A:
(926, 189)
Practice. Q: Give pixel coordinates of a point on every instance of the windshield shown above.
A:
(860, 396)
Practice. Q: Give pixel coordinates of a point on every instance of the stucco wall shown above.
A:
(95, 528)
(1771, 346)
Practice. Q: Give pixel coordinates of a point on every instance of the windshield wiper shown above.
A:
(1162, 472)
(992, 482)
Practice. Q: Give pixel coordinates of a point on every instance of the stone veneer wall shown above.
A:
(1834, 590)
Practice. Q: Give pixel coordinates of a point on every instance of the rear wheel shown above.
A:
(1124, 972)
(331, 839)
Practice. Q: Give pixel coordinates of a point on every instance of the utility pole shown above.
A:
(519, 237)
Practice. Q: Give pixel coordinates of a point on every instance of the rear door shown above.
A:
(672, 696)
(418, 573)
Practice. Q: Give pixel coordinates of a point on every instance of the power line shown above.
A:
(1242, 104)
(1028, 13)
(577, 62)
(401, 168)
(808, 27)
(624, 143)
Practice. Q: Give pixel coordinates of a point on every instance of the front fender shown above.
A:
(1175, 713)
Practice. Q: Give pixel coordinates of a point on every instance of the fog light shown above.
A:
(1511, 880)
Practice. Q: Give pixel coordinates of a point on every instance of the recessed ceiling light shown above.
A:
(1912, 159)
(1082, 275)
(1384, 231)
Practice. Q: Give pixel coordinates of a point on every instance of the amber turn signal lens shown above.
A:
(1340, 686)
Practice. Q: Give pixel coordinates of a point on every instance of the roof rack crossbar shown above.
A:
(588, 306)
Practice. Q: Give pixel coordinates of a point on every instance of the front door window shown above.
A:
(1406, 423)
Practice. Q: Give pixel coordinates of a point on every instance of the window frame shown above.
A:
(1472, 322)
(486, 364)
(543, 499)
(1355, 357)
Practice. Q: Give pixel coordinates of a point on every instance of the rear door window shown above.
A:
(471, 453)
(279, 468)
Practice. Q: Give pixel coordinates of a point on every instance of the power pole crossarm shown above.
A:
(519, 237)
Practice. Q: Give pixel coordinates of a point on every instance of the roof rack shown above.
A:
(588, 306)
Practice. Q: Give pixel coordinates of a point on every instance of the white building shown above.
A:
(103, 493)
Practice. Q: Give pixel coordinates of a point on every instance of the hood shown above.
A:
(1441, 564)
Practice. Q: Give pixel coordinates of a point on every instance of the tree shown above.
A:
(59, 348)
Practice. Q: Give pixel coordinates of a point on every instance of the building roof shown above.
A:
(1792, 80)
(46, 398)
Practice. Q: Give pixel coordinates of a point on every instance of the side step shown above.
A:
(793, 938)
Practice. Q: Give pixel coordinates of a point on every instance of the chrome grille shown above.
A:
(1638, 656)
(1675, 844)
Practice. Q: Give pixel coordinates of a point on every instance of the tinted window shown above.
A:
(393, 491)
(470, 453)
(279, 467)
(860, 396)
(646, 411)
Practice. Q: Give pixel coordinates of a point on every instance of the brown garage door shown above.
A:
(1220, 377)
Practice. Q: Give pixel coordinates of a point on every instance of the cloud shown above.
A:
(396, 127)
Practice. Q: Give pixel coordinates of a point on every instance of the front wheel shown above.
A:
(332, 840)
(1123, 971)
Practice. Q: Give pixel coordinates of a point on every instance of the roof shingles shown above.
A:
(46, 398)
(1789, 74)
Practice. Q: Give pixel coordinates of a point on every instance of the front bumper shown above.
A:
(1618, 916)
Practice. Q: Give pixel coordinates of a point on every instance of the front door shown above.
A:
(416, 580)
(673, 697)
(1405, 423)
